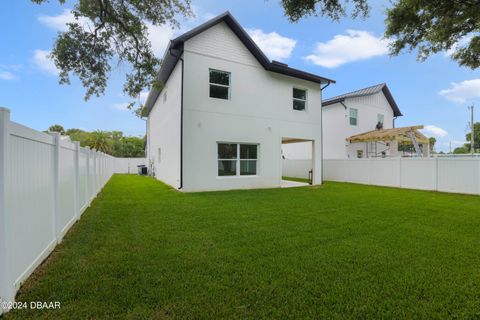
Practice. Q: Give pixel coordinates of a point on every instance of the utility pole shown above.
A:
(472, 126)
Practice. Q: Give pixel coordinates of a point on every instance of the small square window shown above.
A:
(299, 99)
(219, 84)
(359, 154)
(353, 117)
(380, 118)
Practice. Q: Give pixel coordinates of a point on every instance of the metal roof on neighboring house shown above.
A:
(175, 51)
(366, 92)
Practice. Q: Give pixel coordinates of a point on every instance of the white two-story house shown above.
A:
(355, 113)
(225, 110)
(361, 124)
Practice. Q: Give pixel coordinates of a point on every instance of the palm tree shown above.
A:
(100, 141)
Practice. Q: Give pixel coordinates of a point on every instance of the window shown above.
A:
(219, 84)
(353, 117)
(359, 154)
(380, 118)
(299, 99)
(236, 159)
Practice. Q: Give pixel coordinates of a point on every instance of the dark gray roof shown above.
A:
(175, 50)
(366, 92)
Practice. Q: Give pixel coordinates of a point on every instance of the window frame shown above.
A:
(238, 160)
(350, 117)
(298, 99)
(210, 84)
(378, 118)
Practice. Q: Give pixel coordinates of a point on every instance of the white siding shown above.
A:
(164, 131)
(220, 42)
(259, 111)
(337, 126)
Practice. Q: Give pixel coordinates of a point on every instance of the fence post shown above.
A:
(56, 186)
(7, 291)
(369, 170)
(400, 172)
(87, 176)
(76, 185)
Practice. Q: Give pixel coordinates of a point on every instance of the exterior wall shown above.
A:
(164, 131)
(259, 111)
(337, 126)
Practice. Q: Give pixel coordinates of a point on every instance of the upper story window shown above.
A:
(299, 99)
(380, 118)
(353, 117)
(219, 84)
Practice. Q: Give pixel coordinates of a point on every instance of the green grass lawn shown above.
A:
(143, 251)
(295, 179)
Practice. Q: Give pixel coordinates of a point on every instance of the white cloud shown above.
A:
(354, 46)
(159, 37)
(43, 62)
(6, 75)
(121, 106)
(461, 43)
(275, 46)
(463, 91)
(143, 96)
(59, 22)
(434, 131)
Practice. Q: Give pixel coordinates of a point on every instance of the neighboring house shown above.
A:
(360, 124)
(355, 113)
(225, 110)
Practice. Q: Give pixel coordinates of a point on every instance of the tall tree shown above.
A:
(108, 32)
(100, 141)
(476, 129)
(431, 142)
(430, 26)
(57, 128)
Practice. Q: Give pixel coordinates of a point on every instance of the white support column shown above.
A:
(7, 290)
(56, 187)
(76, 185)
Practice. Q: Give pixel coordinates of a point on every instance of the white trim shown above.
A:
(220, 85)
(298, 99)
(238, 159)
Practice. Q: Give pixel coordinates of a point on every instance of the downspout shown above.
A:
(181, 128)
(321, 123)
(181, 121)
(394, 118)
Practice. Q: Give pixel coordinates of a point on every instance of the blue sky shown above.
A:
(434, 93)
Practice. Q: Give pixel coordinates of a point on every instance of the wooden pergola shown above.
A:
(405, 134)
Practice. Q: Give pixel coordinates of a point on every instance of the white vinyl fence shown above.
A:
(297, 168)
(129, 165)
(457, 175)
(45, 185)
